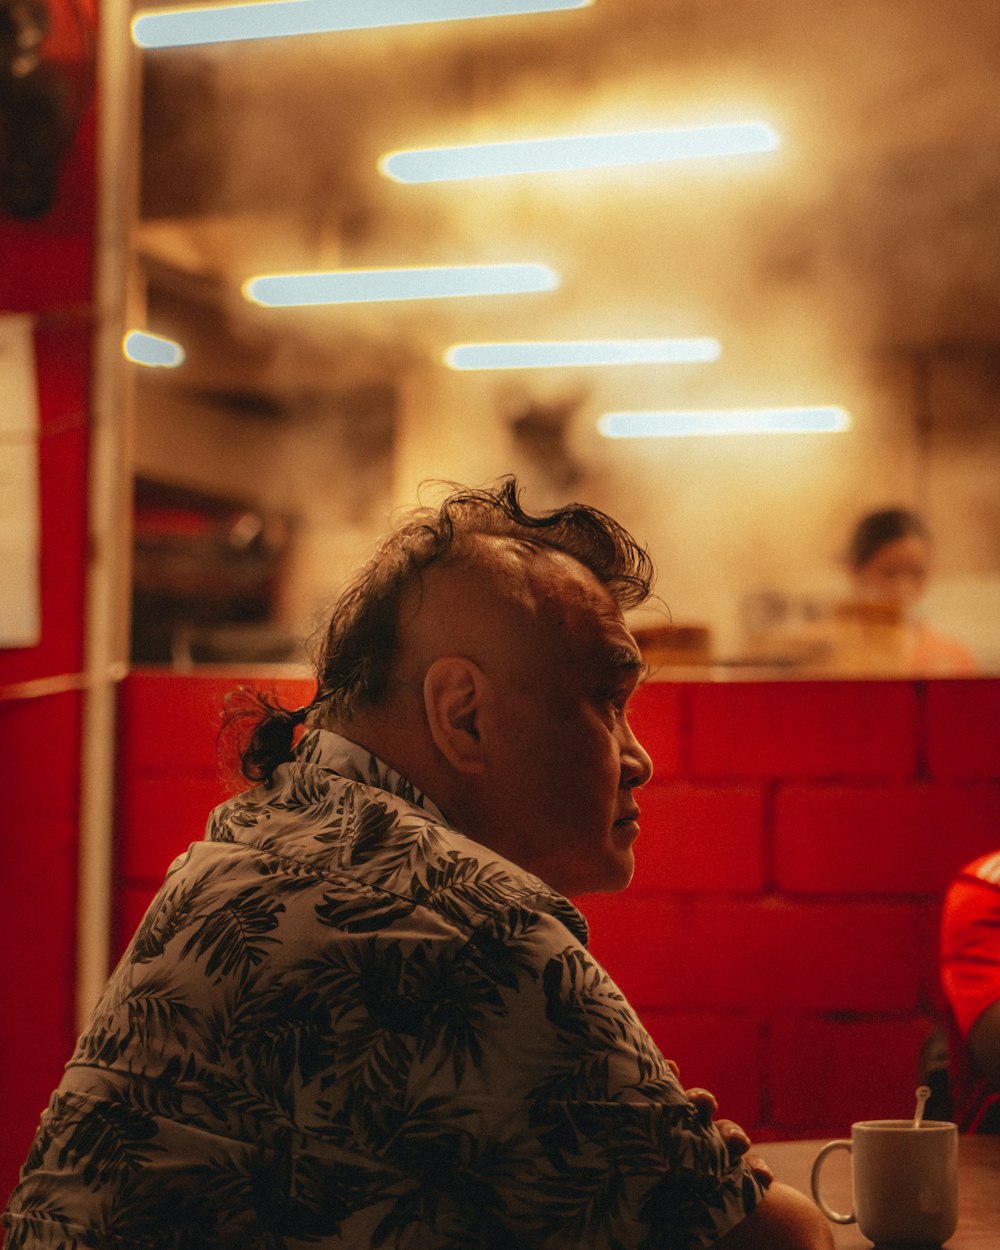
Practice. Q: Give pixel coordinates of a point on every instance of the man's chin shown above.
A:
(615, 877)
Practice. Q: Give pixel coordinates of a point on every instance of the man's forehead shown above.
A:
(585, 615)
(512, 589)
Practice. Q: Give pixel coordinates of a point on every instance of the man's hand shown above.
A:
(737, 1142)
(784, 1219)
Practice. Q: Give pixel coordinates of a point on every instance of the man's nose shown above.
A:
(637, 767)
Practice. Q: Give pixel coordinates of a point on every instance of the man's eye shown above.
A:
(616, 700)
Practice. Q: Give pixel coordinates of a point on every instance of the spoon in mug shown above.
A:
(923, 1093)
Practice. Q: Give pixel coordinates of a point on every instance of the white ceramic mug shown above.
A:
(905, 1181)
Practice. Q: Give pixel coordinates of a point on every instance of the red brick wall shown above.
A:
(779, 936)
(170, 775)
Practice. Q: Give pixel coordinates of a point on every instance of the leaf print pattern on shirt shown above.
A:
(236, 934)
(172, 910)
(342, 1023)
(118, 1138)
(361, 911)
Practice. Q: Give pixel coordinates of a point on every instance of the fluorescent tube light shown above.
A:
(143, 348)
(270, 19)
(357, 286)
(598, 352)
(535, 156)
(723, 421)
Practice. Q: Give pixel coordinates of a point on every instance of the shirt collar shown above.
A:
(356, 763)
(326, 749)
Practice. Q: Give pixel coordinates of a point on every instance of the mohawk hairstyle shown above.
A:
(358, 646)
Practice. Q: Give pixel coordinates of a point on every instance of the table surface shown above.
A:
(978, 1188)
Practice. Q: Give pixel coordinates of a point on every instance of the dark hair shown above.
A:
(878, 529)
(358, 646)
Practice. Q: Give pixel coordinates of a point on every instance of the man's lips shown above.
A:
(629, 817)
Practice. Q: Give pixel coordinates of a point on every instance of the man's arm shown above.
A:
(791, 1221)
(784, 1220)
(606, 1147)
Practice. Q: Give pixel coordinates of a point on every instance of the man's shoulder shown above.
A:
(359, 842)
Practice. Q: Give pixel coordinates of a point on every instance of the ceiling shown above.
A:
(874, 228)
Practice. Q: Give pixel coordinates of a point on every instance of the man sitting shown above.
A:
(362, 1012)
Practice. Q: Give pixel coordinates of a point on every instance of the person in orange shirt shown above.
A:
(970, 978)
(877, 631)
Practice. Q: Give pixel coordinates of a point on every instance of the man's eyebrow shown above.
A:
(627, 660)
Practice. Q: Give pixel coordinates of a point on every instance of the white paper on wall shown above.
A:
(20, 617)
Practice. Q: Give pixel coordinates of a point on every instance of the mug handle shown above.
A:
(830, 1214)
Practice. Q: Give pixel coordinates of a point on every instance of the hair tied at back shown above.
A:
(260, 732)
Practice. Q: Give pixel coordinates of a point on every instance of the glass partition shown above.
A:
(847, 262)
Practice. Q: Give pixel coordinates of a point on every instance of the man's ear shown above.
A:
(453, 690)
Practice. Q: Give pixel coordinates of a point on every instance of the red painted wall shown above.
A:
(779, 936)
(46, 270)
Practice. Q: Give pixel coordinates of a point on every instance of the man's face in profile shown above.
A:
(570, 762)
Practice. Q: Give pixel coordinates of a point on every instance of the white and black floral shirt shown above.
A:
(343, 1024)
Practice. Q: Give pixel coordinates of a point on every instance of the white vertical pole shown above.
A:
(109, 495)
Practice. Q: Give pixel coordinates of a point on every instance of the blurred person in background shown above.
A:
(362, 1011)
(970, 978)
(878, 630)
